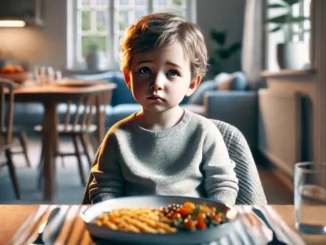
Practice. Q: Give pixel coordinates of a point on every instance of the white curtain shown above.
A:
(252, 45)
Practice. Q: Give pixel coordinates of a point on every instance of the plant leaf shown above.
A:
(275, 29)
(297, 19)
(281, 19)
(223, 53)
(218, 36)
(212, 61)
(276, 5)
(291, 2)
(234, 47)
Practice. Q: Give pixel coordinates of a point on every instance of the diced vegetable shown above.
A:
(190, 216)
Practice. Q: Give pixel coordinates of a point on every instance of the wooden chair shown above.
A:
(19, 133)
(6, 125)
(77, 123)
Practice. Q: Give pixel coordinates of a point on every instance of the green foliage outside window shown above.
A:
(285, 21)
(93, 43)
(177, 2)
(86, 20)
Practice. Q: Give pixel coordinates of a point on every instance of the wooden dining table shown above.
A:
(13, 216)
(50, 96)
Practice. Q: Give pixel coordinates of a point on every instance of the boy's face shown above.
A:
(160, 79)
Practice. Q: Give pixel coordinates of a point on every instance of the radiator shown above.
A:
(279, 127)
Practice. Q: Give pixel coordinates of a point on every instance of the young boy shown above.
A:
(163, 149)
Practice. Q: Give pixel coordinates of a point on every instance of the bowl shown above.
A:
(15, 77)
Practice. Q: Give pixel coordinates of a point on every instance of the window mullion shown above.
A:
(150, 6)
(93, 20)
(112, 33)
(301, 13)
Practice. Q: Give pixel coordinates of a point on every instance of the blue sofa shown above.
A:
(238, 108)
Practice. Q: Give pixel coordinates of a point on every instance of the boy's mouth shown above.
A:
(155, 97)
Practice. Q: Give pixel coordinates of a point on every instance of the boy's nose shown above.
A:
(158, 83)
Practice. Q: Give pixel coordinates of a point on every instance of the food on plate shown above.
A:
(188, 216)
(137, 220)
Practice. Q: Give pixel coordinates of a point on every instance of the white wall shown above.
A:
(47, 45)
(222, 15)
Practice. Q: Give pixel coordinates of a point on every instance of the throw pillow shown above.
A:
(197, 97)
(239, 81)
(223, 81)
(234, 81)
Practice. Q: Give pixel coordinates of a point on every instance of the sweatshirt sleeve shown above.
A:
(106, 172)
(221, 183)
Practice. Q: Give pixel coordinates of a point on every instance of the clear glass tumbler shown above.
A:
(310, 197)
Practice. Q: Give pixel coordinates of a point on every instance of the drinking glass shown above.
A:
(310, 197)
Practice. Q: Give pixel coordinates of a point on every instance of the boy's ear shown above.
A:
(126, 75)
(194, 85)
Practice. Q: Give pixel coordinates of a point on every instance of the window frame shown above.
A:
(113, 64)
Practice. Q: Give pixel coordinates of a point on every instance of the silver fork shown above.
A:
(39, 239)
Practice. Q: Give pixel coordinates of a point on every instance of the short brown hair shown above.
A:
(158, 30)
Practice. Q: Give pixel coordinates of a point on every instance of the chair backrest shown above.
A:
(79, 113)
(6, 110)
(250, 188)
(251, 191)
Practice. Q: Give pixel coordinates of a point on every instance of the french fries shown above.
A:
(146, 220)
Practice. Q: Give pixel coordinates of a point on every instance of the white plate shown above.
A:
(178, 238)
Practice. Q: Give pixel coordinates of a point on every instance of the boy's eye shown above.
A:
(144, 70)
(172, 73)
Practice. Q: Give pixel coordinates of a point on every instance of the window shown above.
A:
(298, 32)
(99, 24)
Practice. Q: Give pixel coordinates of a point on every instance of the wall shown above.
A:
(47, 45)
(222, 15)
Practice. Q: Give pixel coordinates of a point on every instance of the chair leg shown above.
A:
(80, 164)
(23, 143)
(85, 143)
(41, 157)
(12, 173)
(39, 178)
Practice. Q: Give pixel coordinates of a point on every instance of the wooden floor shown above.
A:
(70, 190)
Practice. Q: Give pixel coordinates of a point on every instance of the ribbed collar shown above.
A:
(161, 133)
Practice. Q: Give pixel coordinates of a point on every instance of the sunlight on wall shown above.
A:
(24, 44)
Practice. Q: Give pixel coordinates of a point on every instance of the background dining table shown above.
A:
(50, 96)
(74, 231)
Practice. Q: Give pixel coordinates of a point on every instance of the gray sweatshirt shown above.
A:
(189, 159)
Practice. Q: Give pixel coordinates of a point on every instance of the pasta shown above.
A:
(135, 220)
(188, 216)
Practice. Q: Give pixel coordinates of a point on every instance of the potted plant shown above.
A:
(290, 54)
(221, 53)
(94, 57)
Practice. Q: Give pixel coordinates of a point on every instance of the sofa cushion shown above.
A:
(198, 109)
(235, 81)
(223, 81)
(120, 112)
(239, 81)
(121, 94)
(197, 98)
(28, 114)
